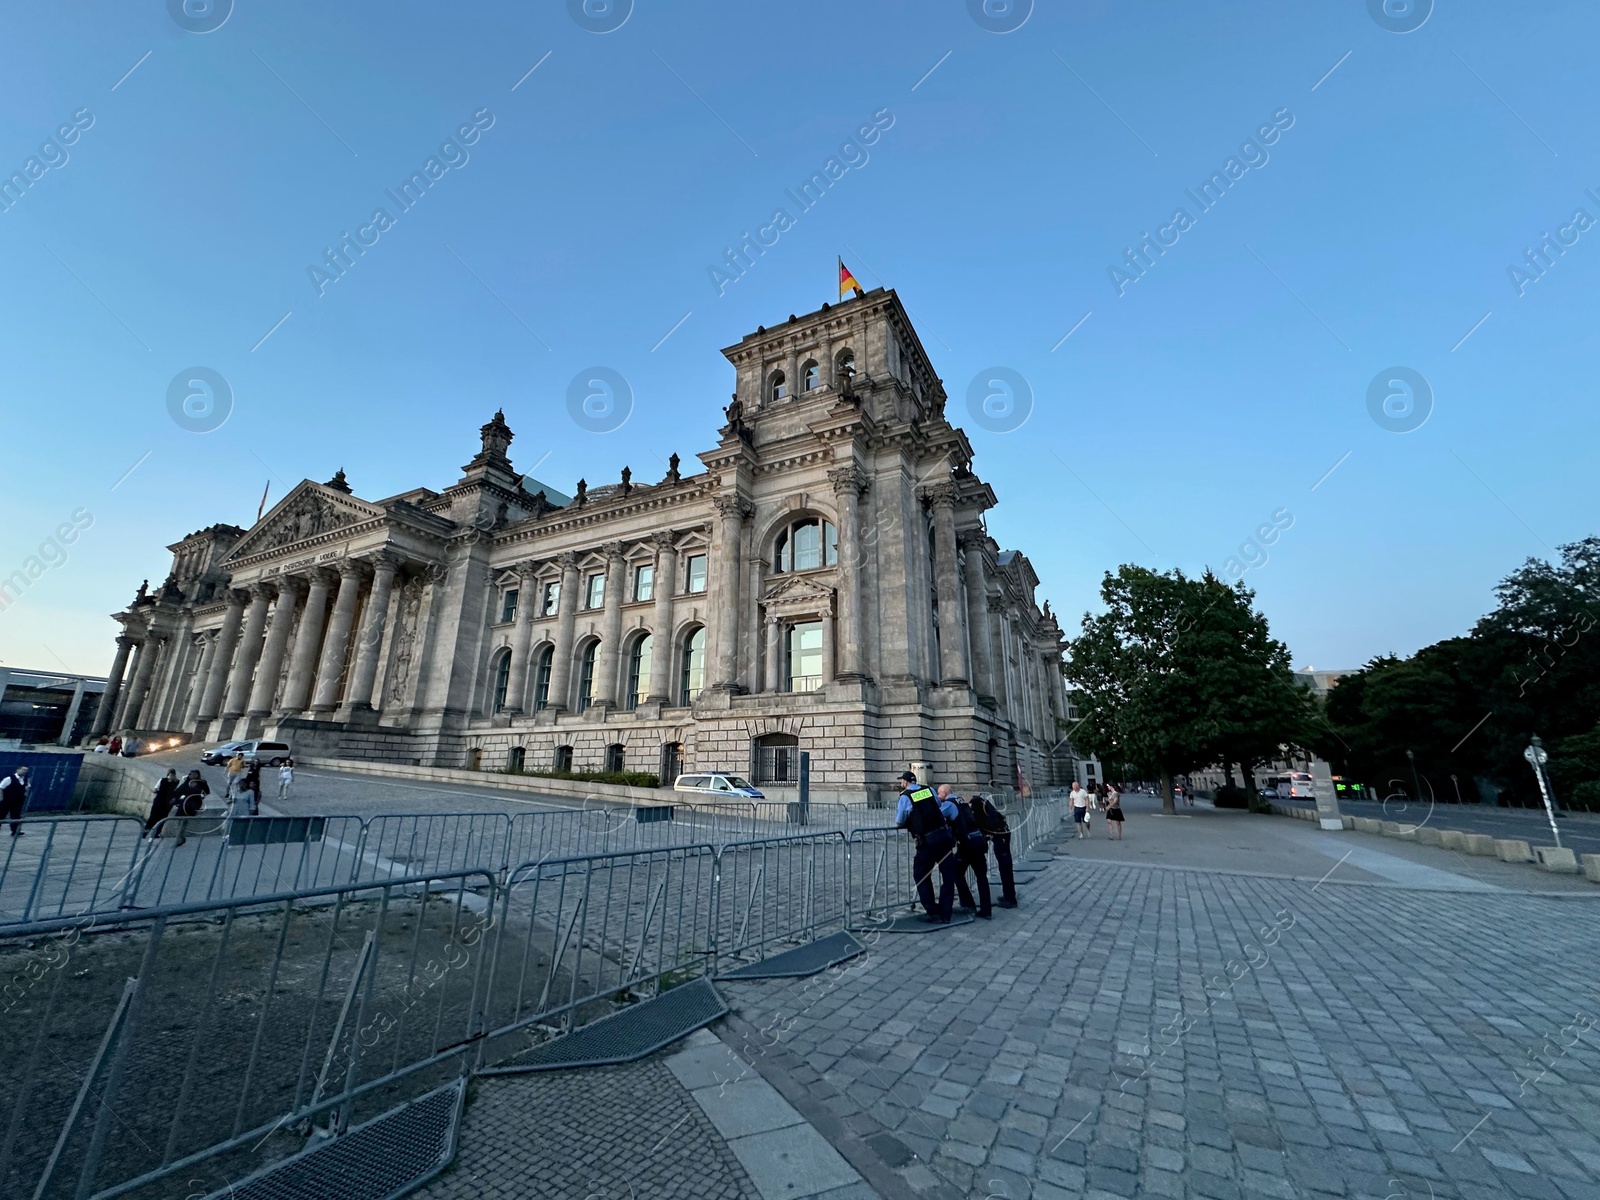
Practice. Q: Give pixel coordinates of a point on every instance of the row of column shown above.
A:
(234, 671)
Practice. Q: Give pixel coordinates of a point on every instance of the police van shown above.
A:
(716, 785)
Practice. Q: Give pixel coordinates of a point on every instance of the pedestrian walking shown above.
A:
(285, 778)
(161, 802)
(14, 798)
(920, 813)
(115, 745)
(252, 785)
(972, 851)
(236, 769)
(993, 823)
(1080, 808)
(244, 798)
(1114, 816)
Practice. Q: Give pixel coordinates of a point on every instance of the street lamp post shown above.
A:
(1537, 756)
(1412, 758)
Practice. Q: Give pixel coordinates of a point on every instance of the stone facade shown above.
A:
(825, 583)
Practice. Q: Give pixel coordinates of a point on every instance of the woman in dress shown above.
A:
(1114, 816)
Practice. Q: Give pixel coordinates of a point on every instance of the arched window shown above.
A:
(541, 677)
(807, 544)
(693, 677)
(639, 671)
(586, 676)
(810, 376)
(777, 386)
(844, 368)
(516, 759)
(502, 679)
(563, 759)
(613, 759)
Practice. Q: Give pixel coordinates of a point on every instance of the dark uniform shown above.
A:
(993, 823)
(973, 849)
(936, 848)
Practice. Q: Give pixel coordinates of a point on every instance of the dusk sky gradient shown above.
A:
(1173, 421)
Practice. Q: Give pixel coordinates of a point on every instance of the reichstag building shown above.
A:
(825, 583)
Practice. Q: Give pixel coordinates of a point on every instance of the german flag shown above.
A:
(847, 281)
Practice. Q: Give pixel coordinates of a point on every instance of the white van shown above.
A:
(716, 785)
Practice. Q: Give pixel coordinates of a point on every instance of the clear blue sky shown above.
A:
(1215, 392)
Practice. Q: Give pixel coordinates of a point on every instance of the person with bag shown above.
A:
(1080, 809)
(993, 823)
(161, 802)
(190, 797)
(972, 848)
(920, 813)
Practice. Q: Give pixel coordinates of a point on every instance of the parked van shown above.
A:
(717, 785)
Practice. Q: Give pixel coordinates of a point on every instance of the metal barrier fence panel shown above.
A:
(401, 844)
(580, 934)
(192, 860)
(203, 1042)
(66, 866)
(880, 881)
(775, 893)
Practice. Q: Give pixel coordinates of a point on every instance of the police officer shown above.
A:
(920, 813)
(971, 849)
(993, 823)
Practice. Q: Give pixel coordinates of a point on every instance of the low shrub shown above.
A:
(1585, 796)
(642, 779)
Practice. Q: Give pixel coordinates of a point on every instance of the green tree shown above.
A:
(1180, 673)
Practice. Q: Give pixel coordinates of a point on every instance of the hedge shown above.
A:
(641, 779)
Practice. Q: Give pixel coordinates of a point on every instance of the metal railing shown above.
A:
(208, 1040)
(400, 844)
(578, 933)
(67, 866)
(779, 890)
(880, 879)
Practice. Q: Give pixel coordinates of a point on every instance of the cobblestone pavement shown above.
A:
(608, 1133)
(1164, 1032)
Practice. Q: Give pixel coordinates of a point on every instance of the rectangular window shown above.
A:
(695, 573)
(552, 599)
(644, 579)
(508, 606)
(595, 593)
(805, 656)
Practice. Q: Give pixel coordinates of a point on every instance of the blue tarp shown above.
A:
(51, 777)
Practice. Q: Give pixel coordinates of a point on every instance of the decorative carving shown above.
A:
(143, 593)
(663, 539)
(672, 470)
(338, 483)
(613, 551)
(847, 479)
(526, 573)
(941, 495)
(627, 480)
(405, 639)
(583, 493)
(308, 516)
(731, 508)
(541, 504)
(567, 560)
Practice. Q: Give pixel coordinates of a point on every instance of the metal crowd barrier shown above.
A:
(205, 1041)
(401, 844)
(63, 866)
(227, 858)
(577, 933)
(774, 890)
(880, 880)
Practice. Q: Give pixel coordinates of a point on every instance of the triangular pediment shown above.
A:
(799, 587)
(307, 512)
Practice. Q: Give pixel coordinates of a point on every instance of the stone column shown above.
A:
(725, 605)
(998, 662)
(825, 363)
(666, 583)
(108, 699)
(774, 653)
(227, 639)
(605, 667)
(952, 620)
(384, 566)
(848, 484)
(143, 672)
(791, 370)
(202, 679)
(521, 641)
(244, 665)
(168, 685)
(972, 546)
(270, 669)
(566, 624)
(307, 643)
(122, 701)
(336, 645)
(828, 644)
